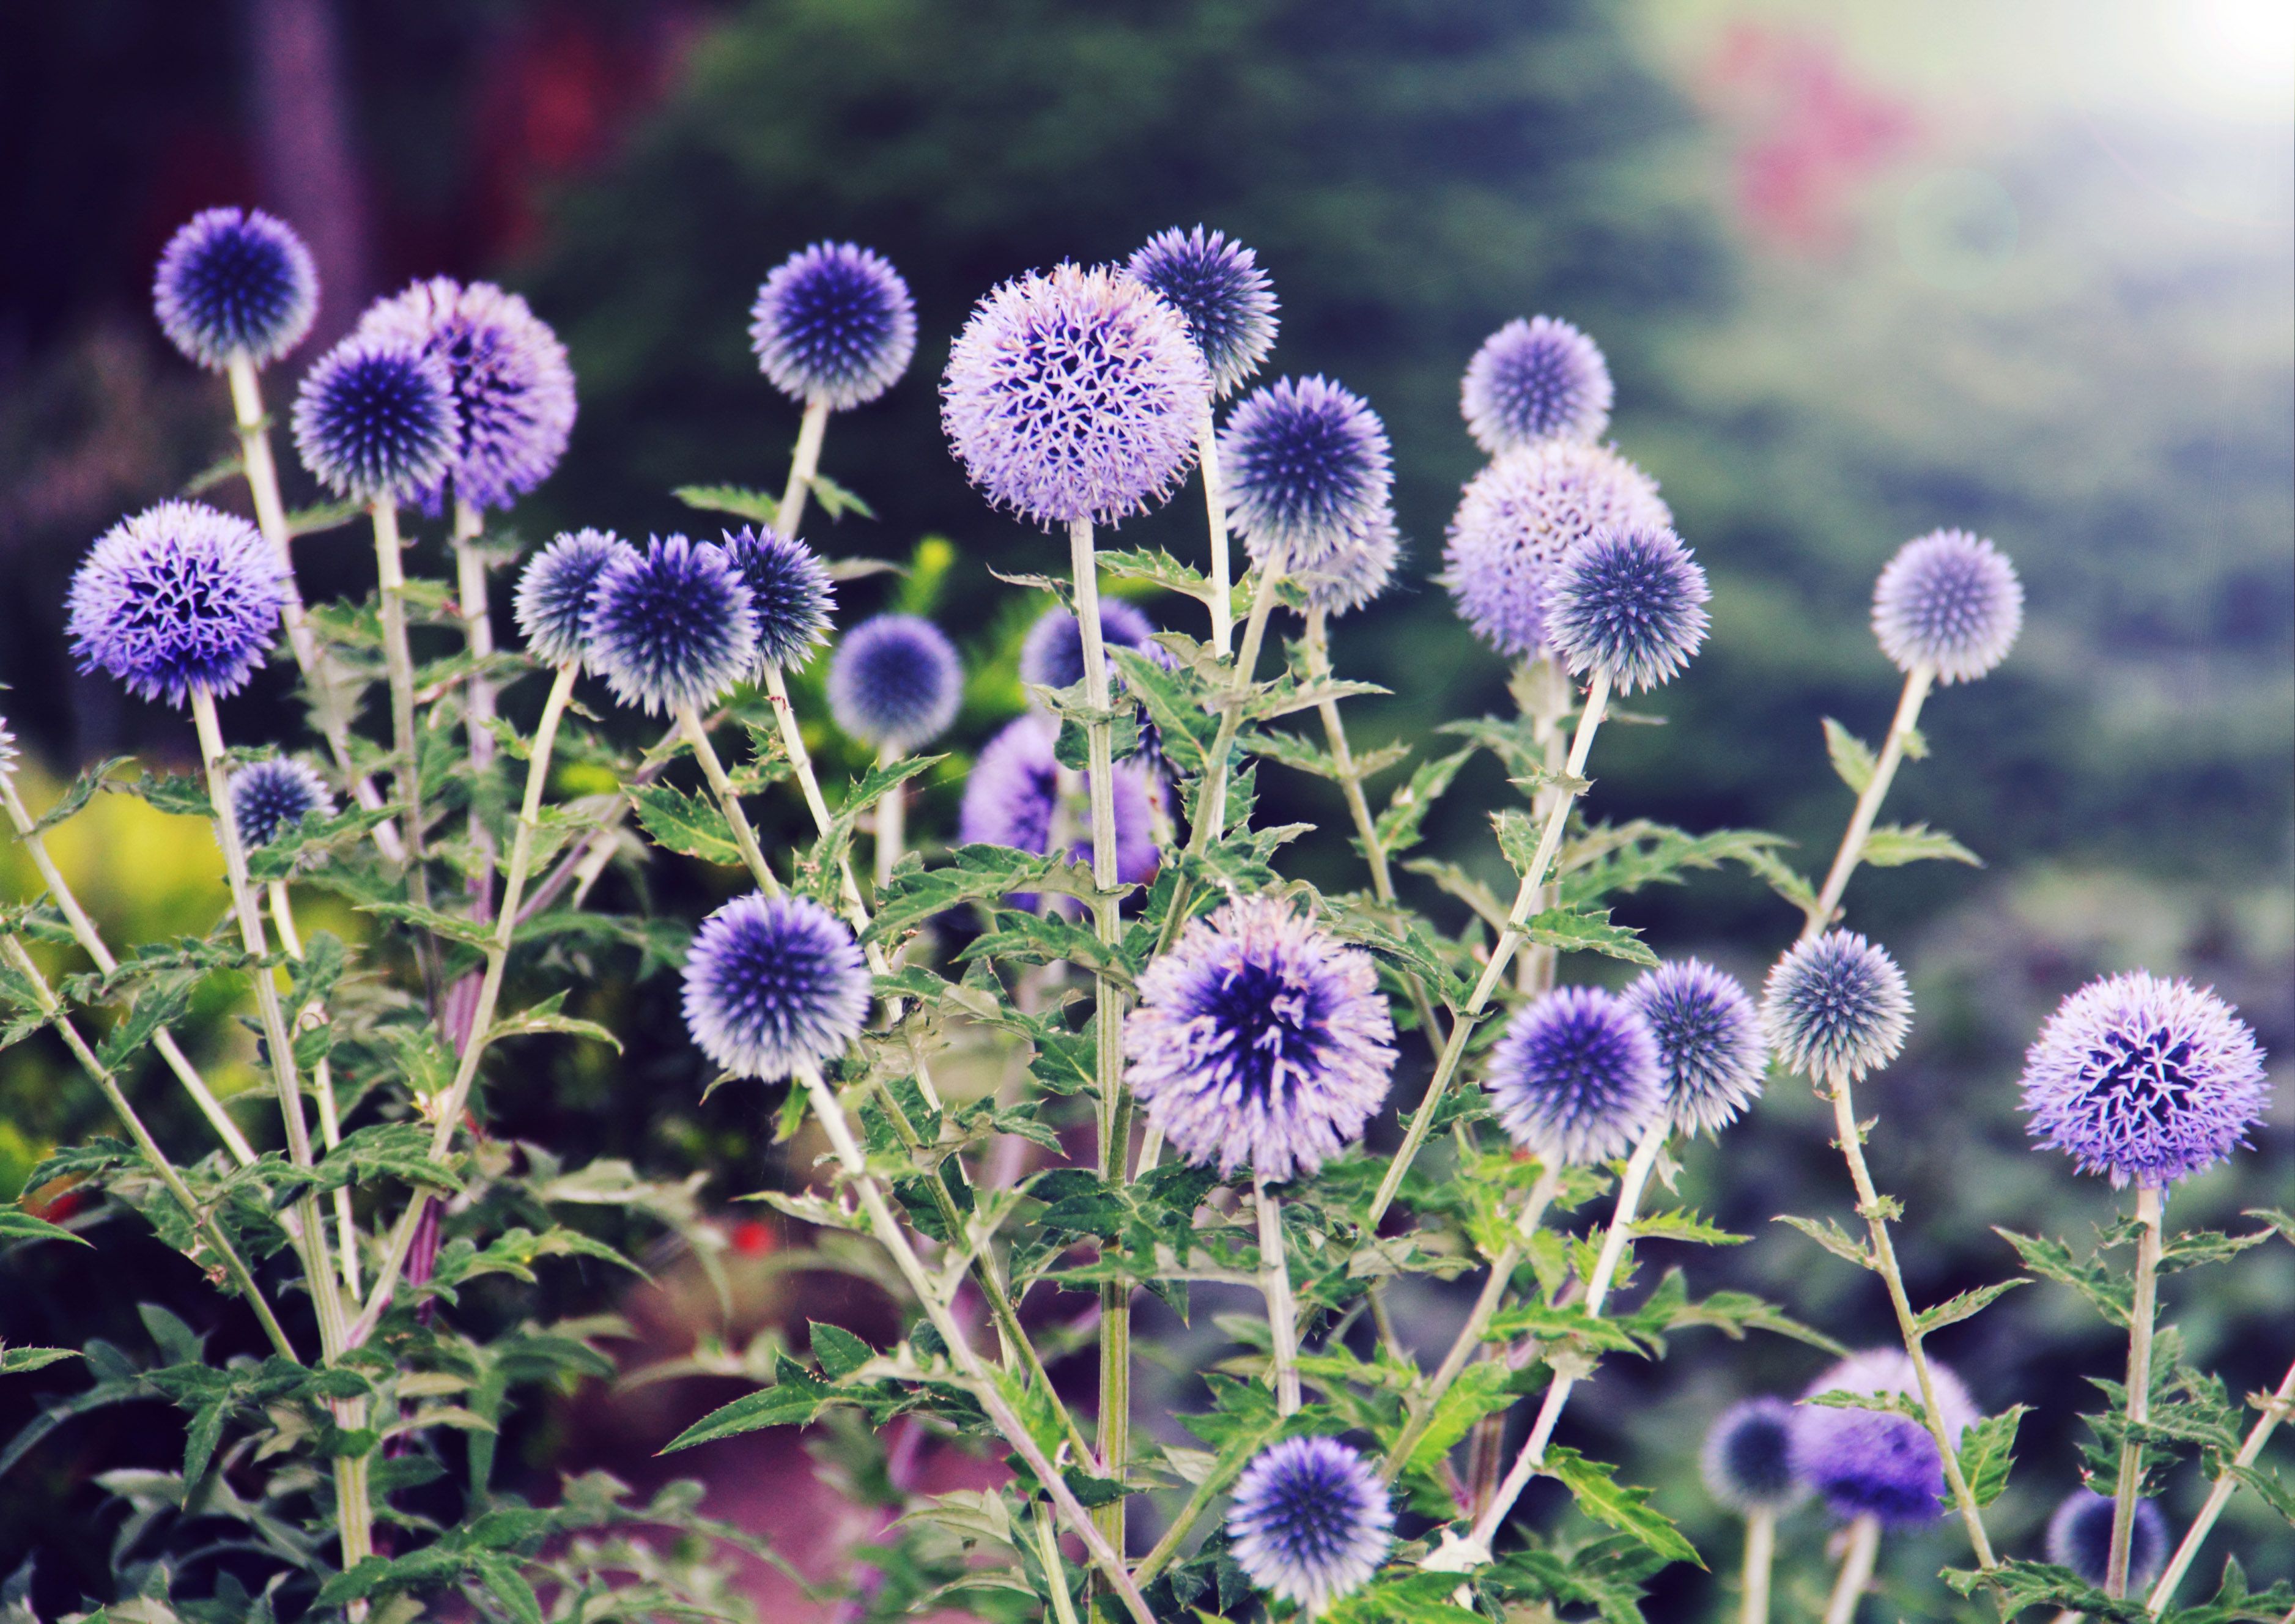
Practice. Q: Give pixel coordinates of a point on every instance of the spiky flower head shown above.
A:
(1710, 1055)
(1053, 653)
(1629, 603)
(1075, 395)
(896, 682)
(1875, 1462)
(1836, 1006)
(1310, 1522)
(671, 626)
(834, 322)
(176, 598)
(789, 589)
(267, 796)
(236, 285)
(1017, 792)
(1260, 1041)
(1520, 516)
(7, 750)
(1306, 465)
(1948, 601)
(1748, 1458)
(2079, 1538)
(1531, 380)
(1220, 292)
(773, 984)
(1355, 571)
(1576, 1077)
(2144, 1079)
(376, 419)
(513, 389)
(552, 604)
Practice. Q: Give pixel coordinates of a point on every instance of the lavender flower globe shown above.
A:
(1630, 604)
(1355, 571)
(1220, 292)
(1871, 1462)
(790, 590)
(1018, 792)
(1052, 656)
(1076, 395)
(1747, 1462)
(1306, 465)
(236, 285)
(1950, 601)
(1836, 1006)
(1710, 1055)
(773, 984)
(1535, 380)
(267, 796)
(671, 627)
(1260, 1041)
(376, 419)
(2144, 1079)
(2079, 1538)
(552, 603)
(834, 322)
(1576, 1078)
(1520, 516)
(176, 597)
(1310, 1522)
(896, 682)
(513, 389)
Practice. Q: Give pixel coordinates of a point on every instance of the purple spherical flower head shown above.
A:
(1531, 380)
(1356, 571)
(773, 984)
(1748, 1458)
(1220, 292)
(1310, 1522)
(513, 389)
(1077, 395)
(1631, 604)
(267, 796)
(1710, 1052)
(1306, 465)
(672, 626)
(1017, 791)
(236, 285)
(1260, 1041)
(834, 322)
(2079, 1538)
(1576, 1077)
(1520, 516)
(1948, 601)
(896, 682)
(1836, 1006)
(2144, 1079)
(1873, 1463)
(1052, 655)
(176, 597)
(789, 590)
(376, 419)
(552, 605)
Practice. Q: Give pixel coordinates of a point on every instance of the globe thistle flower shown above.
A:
(1053, 653)
(1310, 1522)
(773, 984)
(1355, 571)
(789, 590)
(1221, 293)
(1871, 1462)
(552, 605)
(177, 597)
(1520, 516)
(1260, 1041)
(376, 419)
(1836, 1006)
(236, 285)
(834, 322)
(896, 682)
(1748, 1458)
(513, 389)
(7, 750)
(1950, 601)
(1076, 394)
(1710, 1052)
(671, 627)
(1577, 1076)
(1017, 792)
(1535, 380)
(2079, 1538)
(1631, 604)
(2144, 1079)
(1306, 465)
(268, 797)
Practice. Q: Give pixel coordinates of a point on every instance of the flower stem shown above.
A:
(1761, 1554)
(2275, 1410)
(2139, 1389)
(892, 825)
(398, 655)
(1047, 1553)
(802, 465)
(478, 703)
(1855, 1570)
(1274, 1284)
(689, 720)
(1222, 605)
(322, 1085)
(1917, 682)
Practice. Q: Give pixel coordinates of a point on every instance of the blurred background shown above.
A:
(2022, 266)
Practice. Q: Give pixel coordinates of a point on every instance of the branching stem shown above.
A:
(1275, 1284)
(2139, 1389)
(2275, 1410)
(1855, 1570)
(1868, 803)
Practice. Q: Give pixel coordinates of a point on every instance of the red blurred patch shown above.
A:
(752, 1239)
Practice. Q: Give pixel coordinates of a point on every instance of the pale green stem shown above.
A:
(1282, 1312)
(892, 826)
(1855, 1570)
(479, 708)
(2139, 1387)
(689, 722)
(1048, 1552)
(802, 466)
(1549, 703)
(1761, 1555)
(322, 1085)
(2275, 1410)
(398, 655)
(1223, 604)
(1868, 804)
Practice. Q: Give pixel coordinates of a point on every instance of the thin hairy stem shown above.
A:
(322, 1085)
(803, 464)
(1855, 1570)
(2275, 1410)
(1047, 1553)
(1761, 1555)
(1868, 803)
(722, 787)
(1274, 1284)
(478, 693)
(1222, 605)
(2139, 1389)
(398, 655)
(892, 826)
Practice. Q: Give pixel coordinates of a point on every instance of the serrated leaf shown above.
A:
(1986, 1451)
(687, 825)
(323, 516)
(1588, 930)
(544, 1016)
(18, 1225)
(78, 792)
(792, 1401)
(1401, 823)
(837, 1351)
(385, 1150)
(740, 500)
(1401, 1599)
(1625, 1509)
(1831, 1236)
(160, 1004)
(1953, 1310)
(1852, 757)
(835, 500)
(1893, 845)
(15, 1360)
